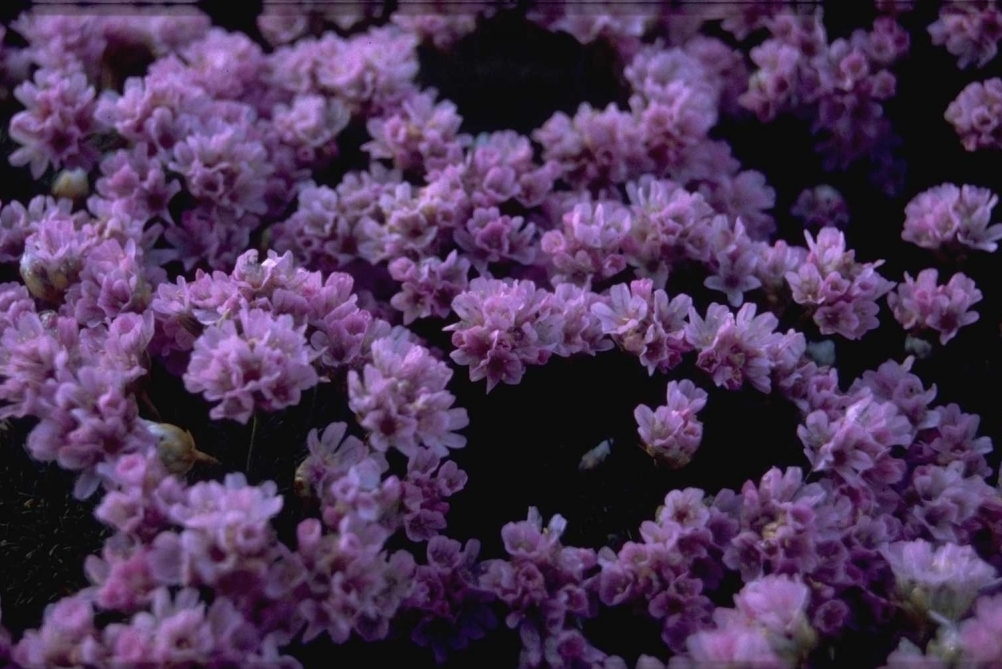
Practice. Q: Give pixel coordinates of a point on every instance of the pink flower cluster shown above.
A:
(970, 31)
(291, 229)
(921, 303)
(842, 292)
(671, 433)
(953, 217)
(506, 325)
(974, 115)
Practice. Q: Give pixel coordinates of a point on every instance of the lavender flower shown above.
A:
(952, 217)
(544, 586)
(645, 323)
(254, 360)
(225, 164)
(922, 304)
(310, 125)
(451, 603)
(842, 291)
(400, 398)
(499, 330)
(489, 237)
(57, 123)
(422, 135)
(671, 432)
(944, 580)
(429, 286)
(589, 244)
(974, 115)
(978, 636)
(595, 148)
(969, 31)
(734, 349)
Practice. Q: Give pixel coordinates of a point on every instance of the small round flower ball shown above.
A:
(255, 360)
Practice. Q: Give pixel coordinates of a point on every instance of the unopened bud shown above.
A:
(176, 448)
(44, 282)
(71, 184)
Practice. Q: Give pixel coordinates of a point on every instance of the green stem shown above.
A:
(250, 449)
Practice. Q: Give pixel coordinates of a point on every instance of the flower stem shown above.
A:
(250, 448)
(148, 403)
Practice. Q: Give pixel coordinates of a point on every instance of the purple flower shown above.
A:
(453, 607)
(488, 238)
(951, 435)
(149, 109)
(778, 604)
(331, 454)
(671, 432)
(226, 165)
(734, 349)
(856, 445)
(320, 232)
(227, 65)
(645, 323)
(208, 235)
(944, 580)
(821, 207)
(401, 399)
(604, 21)
(543, 584)
(429, 285)
(444, 30)
(57, 122)
(734, 646)
(500, 167)
(54, 255)
(499, 331)
(428, 483)
(975, 114)
(111, 282)
(422, 135)
(978, 636)
(137, 182)
(969, 31)
(842, 291)
(253, 360)
(664, 217)
(922, 304)
(372, 72)
(595, 148)
(310, 125)
(948, 505)
(67, 635)
(589, 245)
(951, 216)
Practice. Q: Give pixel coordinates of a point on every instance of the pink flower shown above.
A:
(734, 349)
(922, 304)
(401, 399)
(56, 124)
(252, 360)
(970, 31)
(671, 432)
(500, 330)
(975, 114)
(944, 580)
(951, 216)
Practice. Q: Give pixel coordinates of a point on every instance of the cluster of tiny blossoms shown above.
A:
(192, 228)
